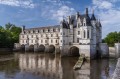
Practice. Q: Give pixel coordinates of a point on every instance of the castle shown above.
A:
(77, 34)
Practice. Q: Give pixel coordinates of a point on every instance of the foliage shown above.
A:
(9, 34)
(112, 38)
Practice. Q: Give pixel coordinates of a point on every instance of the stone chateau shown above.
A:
(77, 34)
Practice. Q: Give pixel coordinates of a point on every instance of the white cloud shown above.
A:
(63, 11)
(102, 4)
(20, 3)
(109, 15)
(57, 9)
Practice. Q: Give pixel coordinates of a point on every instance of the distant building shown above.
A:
(78, 33)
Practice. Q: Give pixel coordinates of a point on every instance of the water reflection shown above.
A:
(50, 66)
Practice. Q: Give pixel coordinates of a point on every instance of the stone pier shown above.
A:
(117, 49)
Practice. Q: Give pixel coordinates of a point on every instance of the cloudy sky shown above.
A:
(36, 13)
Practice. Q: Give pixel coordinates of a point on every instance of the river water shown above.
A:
(52, 66)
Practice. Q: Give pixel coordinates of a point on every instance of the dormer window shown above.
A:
(78, 32)
(43, 30)
(53, 30)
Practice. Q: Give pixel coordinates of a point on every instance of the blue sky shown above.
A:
(36, 13)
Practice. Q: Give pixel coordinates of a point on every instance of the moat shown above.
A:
(52, 66)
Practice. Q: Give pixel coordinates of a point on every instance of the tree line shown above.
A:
(112, 38)
(9, 34)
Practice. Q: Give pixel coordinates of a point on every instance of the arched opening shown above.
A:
(51, 48)
(74, 51)
(22, 48)
(41, 48)
(31, 48)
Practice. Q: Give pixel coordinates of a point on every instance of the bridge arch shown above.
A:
(31, 48)
(41, 48)
(51, 48)
(22, 47)
(74, 51)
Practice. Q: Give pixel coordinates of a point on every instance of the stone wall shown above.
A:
(117, 48)
(104, 50)
(112, 52)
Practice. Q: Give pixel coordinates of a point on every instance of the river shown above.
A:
(52, 66)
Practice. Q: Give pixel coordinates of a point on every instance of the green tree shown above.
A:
(9, 35)
(112, 38)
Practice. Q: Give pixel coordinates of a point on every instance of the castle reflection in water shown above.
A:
(40, 64)
(50, 66)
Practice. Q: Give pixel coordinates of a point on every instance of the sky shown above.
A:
(36, 13)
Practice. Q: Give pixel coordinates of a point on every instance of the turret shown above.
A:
(87, 18)
(93, 16)
(86, 11)
(68, 19)
(77, 15)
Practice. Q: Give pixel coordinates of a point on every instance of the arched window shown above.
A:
(88, 34)
(84, 34)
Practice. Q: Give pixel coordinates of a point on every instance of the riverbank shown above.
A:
(4, 51)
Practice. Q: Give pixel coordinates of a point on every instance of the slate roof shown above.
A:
(44, 27)
(93, 17)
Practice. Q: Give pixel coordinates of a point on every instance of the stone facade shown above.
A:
(79, 31)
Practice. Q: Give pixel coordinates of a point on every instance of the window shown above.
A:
(88, 34)
(51, 35)
(22, 36)
(78, 32)
(32, 36)
(41, 41)
(53, 30)
(45, 41)
(56, 41)
(77, 40)
(84, 33)
(35, 41)
(31, 41)
(22, 41)
(61, 41)
(51, 41)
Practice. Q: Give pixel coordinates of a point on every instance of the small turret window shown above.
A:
(88, 34)
(84, 34)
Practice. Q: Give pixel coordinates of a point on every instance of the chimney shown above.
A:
(23, 28)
